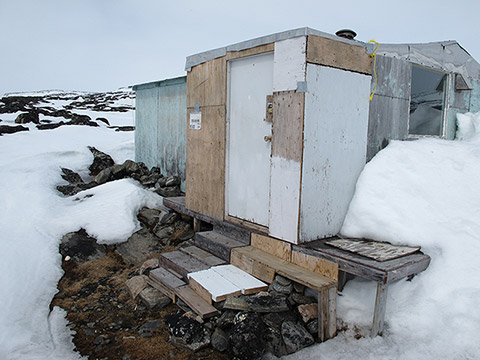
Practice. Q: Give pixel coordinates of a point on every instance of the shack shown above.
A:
(160, 131)
(280, 127)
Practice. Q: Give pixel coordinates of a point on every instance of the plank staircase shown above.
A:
(263, 258)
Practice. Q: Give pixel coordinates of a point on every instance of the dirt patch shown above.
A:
(107, 321)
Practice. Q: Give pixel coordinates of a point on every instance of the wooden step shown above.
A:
(233, 231)
(202, 255)
(217, 244)
(219, 282)
(264, 266)
(163, 280)
(195, 302)
(181, 263)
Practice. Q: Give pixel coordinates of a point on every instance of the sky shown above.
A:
(101, 45)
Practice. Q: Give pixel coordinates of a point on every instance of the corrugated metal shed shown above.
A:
(160, 120)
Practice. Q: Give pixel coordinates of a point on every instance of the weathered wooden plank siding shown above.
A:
(205, 167)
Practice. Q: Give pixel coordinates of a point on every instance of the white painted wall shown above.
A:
(284, 199)
(289, 63)
(335, 142)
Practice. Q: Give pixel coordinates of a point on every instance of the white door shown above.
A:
(248, 158)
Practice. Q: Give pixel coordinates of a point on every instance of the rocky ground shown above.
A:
(110, 307)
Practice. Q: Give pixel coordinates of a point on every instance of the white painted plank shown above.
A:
(335, 142)
(284, 199)
(217, 285)
(289, 63)
(238, 277)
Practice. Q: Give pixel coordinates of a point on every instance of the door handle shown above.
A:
(267, 138)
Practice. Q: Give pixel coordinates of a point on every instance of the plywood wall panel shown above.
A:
(250, 52)
(205, 178)
(340, 55)
(206, 84)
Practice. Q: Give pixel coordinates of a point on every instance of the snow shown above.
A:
(426, 193)
(422, 192)
(33, 218)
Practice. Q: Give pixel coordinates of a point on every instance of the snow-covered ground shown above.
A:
(34, 216)
(423, 192)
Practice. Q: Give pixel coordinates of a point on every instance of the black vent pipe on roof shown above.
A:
(346, 33)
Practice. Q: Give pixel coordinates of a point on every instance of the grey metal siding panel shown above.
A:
(390, 106)
(161, 121)
(146, 127)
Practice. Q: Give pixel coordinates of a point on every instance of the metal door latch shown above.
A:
(269, 109)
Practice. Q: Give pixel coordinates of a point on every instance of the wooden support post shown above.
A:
(379, 312)
(196, 225)
(327, 314)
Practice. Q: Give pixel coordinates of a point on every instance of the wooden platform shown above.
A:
(218, 244)
(181, 263)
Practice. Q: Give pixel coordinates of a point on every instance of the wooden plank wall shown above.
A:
(205, 168)
(340, 55)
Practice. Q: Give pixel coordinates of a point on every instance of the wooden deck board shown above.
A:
(195, 302)
(202, 255)
(181, 263)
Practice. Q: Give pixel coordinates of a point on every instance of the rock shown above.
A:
(275, 320)
(219, 340)
(170, 191)
(72, 189)
(149, 264)
(102, 119)
(139, 247)
(246, 337)
(103, 176)
(154, 299)
(295, 336)
(299, 288)
(136, 285)
(282, 285)
(172, 181)
(50, 126)
(150, 326)
(308, 312)
(301, 299)
(129, 167)
(101, 161)
(149, 217)
(24, 118)
(71, 176)
(264, 302)
(163, 231)
(186, 332)
(80, 247)
(312, 326)
(274, 343)
(226, 320)
(6, 129)
(236, 303)
(82, 120)
(169, 218)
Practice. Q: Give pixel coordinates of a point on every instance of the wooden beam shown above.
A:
(379, 312)
(251, 51)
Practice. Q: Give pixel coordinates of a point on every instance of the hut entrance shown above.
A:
(250, 80)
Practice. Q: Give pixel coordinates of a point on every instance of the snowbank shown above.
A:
(427, 193)
(33, 218)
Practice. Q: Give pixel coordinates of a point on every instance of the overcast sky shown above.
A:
(98, 45)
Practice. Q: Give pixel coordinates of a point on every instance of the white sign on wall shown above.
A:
(196, 121)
